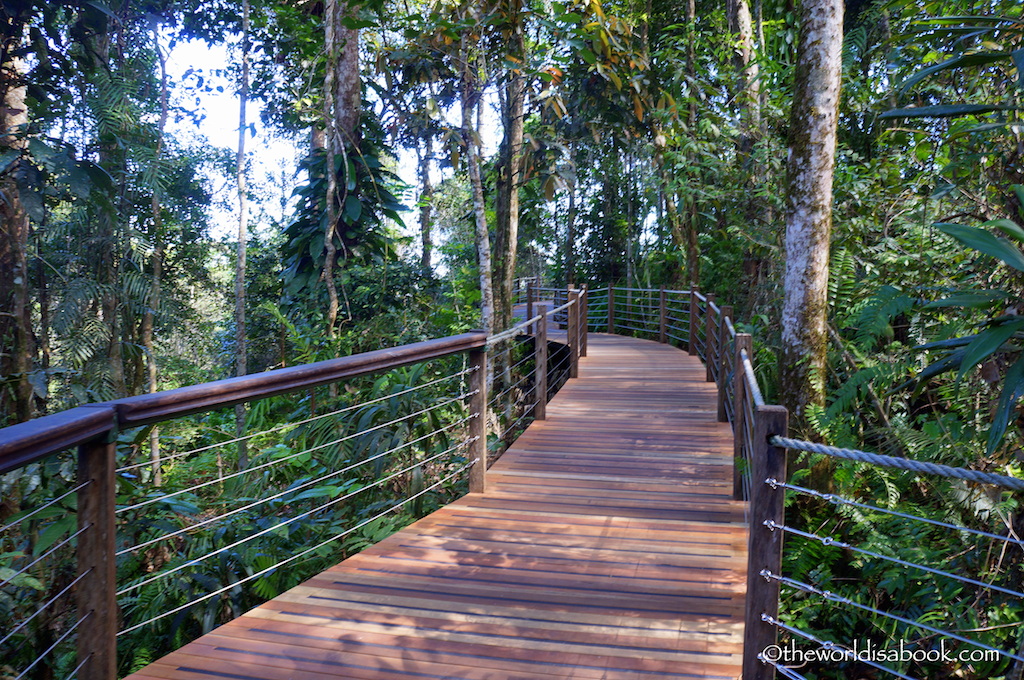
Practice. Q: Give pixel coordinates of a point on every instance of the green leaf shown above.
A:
(350, 179)
(984, 127)
(8, 157)
(985, 344)
(1019, 190)
(1018, 61)
(20, 580)
(979, 298)
(985, 242)
(54, 533)
(32, 201)
(946, 363)
(1008, 227)
(353, 209)
(976, 59)
(1013, 390)
(944, 110)
(106, 10)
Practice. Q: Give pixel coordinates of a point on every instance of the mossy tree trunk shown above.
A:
(15, 323)
(809, 206)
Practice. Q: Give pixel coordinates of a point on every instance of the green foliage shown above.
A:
(364, 203)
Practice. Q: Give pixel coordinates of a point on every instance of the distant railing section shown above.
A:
(526, 371)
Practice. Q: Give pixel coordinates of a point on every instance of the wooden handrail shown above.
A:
(151, 408)
(36, 439)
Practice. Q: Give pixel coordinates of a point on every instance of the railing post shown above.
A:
(691, 336)
(744, 342)
(95, 593)
(723, 373)
(584, 319)
(662, 317)
(572, 333)
(540, 359)
(529, 302)
(478, 423)
(765, 547)
(710, 339)
(611, 308)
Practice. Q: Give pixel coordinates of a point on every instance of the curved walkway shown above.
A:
(606, 547)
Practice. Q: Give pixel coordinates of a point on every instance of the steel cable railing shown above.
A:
(844, 653)
(291, 490)
(37, 592)
(220, 479)
(839, 500)
(830, 596)
(299, 555)
(287, 522)
(397, 446)
(287, 427)
(524, 376)
(707, 329)
(947, 589)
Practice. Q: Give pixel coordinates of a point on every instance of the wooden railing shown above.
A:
(93, 430)
(695, 322)
(519, 389)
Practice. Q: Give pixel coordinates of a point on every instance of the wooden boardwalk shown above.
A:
(606, 547)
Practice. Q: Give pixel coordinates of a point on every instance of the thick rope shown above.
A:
(901, 463)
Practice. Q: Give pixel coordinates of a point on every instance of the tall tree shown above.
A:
(153, 304)
(470, 97)
(749, 90)
(15, 324)
(241, 344)
(690, 202)
(426, 207)
(510, 162)
(342, 104)
(809, 176)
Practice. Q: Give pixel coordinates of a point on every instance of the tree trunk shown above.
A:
(42, 281)
(690, 226)
(809, 206)
(679, 240)
(241, 342)
(348, 98)
(470, 97)
(692, 243)
(426, 209)
(691, 57)
(762, 99)
(510, 175)
(342, 103)
(15, 328)
(332, 30)
(570, 239)
(148, 342)
(741, 27)
(112, 160)
(153, 303)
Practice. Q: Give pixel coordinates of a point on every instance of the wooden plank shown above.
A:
(606, 545)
